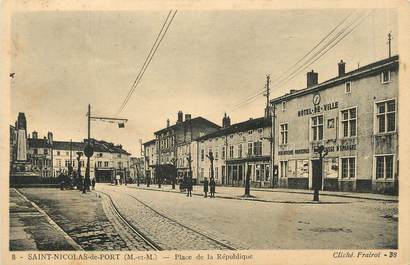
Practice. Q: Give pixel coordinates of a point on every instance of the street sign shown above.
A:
(88, 150)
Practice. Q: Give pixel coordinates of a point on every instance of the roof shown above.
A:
(250, 124)
(193, 121)
(99, 146)
(38, 143)
(67, 145)
(149, 142)
(360, 72)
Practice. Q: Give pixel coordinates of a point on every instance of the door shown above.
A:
(317, 174)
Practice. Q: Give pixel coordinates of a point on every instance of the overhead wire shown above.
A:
(149, 57)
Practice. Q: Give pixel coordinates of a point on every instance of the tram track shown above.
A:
(156, 245)
(131, 227)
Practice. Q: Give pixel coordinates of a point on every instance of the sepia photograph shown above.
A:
(203, 130)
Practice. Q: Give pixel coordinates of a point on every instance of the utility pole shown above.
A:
(389, 38)
(270, 115)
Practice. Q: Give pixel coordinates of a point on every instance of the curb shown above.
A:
(71, 241)
(242, 198)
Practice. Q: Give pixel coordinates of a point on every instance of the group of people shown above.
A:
(212, 185)
(72, 181)
(186, 184)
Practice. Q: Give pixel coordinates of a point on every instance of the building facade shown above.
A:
(40, 154)
(150, 160)
(354, 117)
(176, 137)
(107, 161)
(239, 150)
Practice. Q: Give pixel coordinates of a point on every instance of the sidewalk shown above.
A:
(276, 195)
(32, 229)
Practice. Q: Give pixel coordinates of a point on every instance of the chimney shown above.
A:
(187, 117)
(35, 135)
(342, 70)
(50, 138)
(226, 121)
(312, 78)
(180, 117)
(167, 123)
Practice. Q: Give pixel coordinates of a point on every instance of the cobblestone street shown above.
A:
(132, 218)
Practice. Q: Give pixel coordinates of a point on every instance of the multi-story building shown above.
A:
(239, 150)
(40, 154)
(137, 169)
(354, 117)
(180, 134)
(150, 160)
(107, 161)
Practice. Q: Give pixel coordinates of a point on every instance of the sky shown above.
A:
(208, 62)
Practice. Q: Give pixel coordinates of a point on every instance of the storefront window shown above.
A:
(384, 167)
(331, 167)
(283, 169)
(348, 167)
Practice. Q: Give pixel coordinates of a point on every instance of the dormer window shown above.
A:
(385, 77)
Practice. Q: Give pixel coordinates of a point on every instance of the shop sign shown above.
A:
(329, 149)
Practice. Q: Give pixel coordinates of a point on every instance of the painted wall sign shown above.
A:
(318, 109)
(329, 149)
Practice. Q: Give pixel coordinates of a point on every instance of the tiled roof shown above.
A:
(359, 72)
(99, 146)
(193, 121)
(250, 124)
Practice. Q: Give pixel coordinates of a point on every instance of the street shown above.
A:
(172, 221)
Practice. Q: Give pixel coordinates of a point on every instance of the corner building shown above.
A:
(354, 117)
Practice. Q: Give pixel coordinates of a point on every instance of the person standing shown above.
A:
(205, 188)
(93, 183)
(212, 186)
(189, 187)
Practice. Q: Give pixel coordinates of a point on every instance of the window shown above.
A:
(348, 87)
(283, 105)
(349, 121)
(250, 132)
(46, 151)
(384, 167)
(210, 151)
(58, 153)
(385, 78)
(67, 163)
(260, 130)
(317, 128)
(35, 151)
(216, 173)
(386, 116)
(348, 167)
(99, 163)
(67, 153)
(202, 154)
(223, 152)
(216, 152)
(257, 148)
(283, 169)
(250, 149)
(105, 163)
(231, 151)
(284, 133)
(119, 164)
(240, 150)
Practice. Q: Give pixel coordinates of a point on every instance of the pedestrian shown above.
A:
(189, 187)
(212, 187)
(205, 188)
(93, 183)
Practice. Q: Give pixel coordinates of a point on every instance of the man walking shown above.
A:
(205, 188)
(212, 186)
